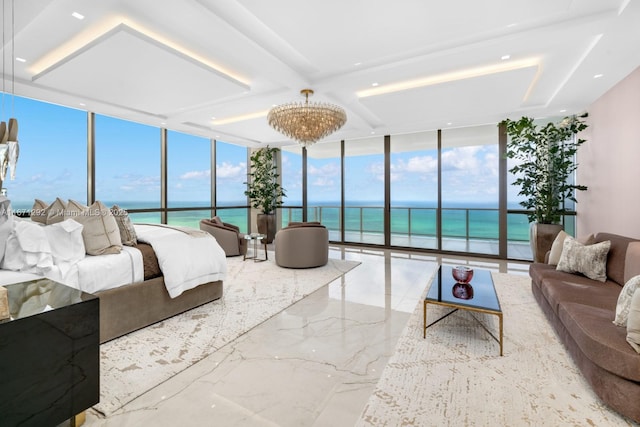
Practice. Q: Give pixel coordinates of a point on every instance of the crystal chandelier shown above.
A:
(309, 122)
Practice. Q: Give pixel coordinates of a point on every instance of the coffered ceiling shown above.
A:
(215, 67)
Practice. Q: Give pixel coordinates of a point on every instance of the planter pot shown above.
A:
(541, 237)
(267, 226)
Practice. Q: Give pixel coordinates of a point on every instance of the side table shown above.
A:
(50, 353)
(255, 238)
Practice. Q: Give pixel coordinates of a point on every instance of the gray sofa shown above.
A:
(302, 245)
(582, 310)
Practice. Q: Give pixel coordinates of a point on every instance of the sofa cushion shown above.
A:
(633, 323)
(565, 287)
(617, 255)
(624, 300)
(600, 340)
(590, 260)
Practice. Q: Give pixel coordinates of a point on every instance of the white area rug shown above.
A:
(253, 292)
(456, 376)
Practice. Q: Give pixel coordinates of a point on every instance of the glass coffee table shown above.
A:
(479, 296)
(256, 238)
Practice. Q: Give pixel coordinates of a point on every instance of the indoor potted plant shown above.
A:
(545, 162)
(264, 191)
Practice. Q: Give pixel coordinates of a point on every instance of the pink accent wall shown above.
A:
(609, 162)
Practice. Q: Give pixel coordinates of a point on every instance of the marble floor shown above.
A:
(313, 364)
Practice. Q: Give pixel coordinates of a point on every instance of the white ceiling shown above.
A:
(437, 64)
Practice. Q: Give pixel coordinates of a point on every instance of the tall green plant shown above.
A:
(262, 188)
(545, 161)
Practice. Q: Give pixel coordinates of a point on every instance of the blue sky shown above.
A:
(53, 164)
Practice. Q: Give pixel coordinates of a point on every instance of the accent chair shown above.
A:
(302, 245)
(228, 236)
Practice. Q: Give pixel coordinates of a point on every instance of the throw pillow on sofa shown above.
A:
(558, 243)
(624, 301)
(633, 323)
(590, 260)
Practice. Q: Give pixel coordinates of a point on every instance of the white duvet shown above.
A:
(186, 258)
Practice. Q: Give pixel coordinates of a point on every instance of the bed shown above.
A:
(169, 271)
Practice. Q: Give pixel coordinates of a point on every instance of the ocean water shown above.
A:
(417, 219)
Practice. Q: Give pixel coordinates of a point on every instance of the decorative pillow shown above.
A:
(632, 261)
(55, 211)
(590, 260)
(6, 223)
(624, 300)
(67, 245)
(558, 243)
(633, 323)
(100, 231)
(38, 211)
(127, 230)
(556, 248)
(217, 220)
(28, 248)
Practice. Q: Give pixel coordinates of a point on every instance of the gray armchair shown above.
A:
(228, 236)
(302, 245)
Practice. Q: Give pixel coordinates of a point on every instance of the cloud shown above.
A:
(196, 174)
(323, 182)
(230, 171)
(331, 169)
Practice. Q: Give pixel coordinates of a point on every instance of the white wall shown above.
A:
(609, 162)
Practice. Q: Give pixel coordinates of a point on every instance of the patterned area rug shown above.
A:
(456, 376)
(253, 292)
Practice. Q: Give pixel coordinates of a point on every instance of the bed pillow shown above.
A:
(38, 211)
(55, 211)
(6, 223)
(66, 242)
(633, 322)
(127, 230)
(100, 231)
(28, 248)
(590, 260)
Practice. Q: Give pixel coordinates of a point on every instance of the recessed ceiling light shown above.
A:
(511, 25)
(505, 57)
(82, 104)
(597, 76)
(375, 84)
(563, 111)
(77, 15)
(449, 124)
(162, 123)
(373, 132)
(357, 63)
(213, 118)
(20, 59)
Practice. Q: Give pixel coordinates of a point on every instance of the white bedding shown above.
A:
(101, 272)
(187, 259)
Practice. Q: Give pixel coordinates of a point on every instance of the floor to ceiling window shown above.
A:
(231, 175)
(364, 190)
(127, 166)
(324, 186)
(291, 173)
(470, 190)
(53, 154)
(188, 178)
(414, 190)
